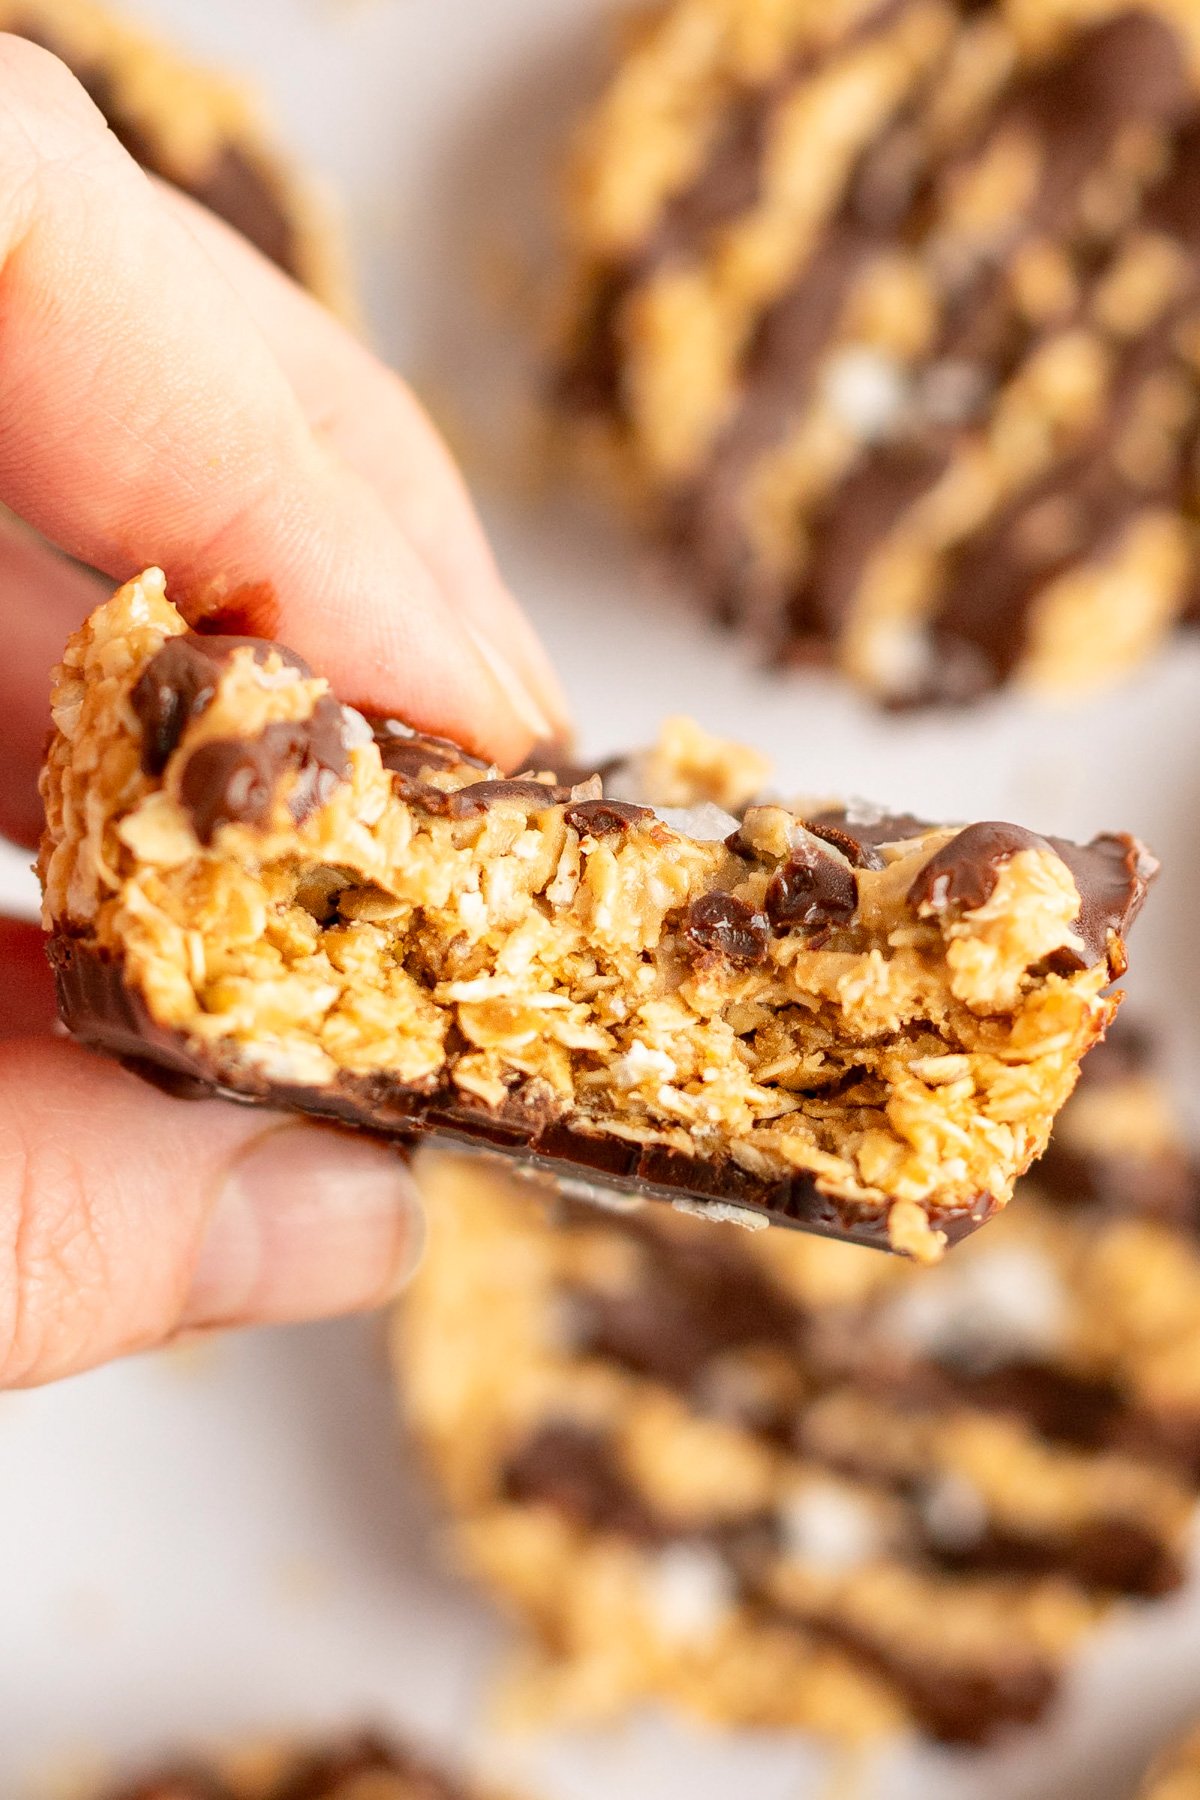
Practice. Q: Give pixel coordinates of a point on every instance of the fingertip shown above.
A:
(40, 88)
(309, 1222)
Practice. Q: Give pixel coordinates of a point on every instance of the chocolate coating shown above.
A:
(100, 1009)
(1112, 874)
(413, 753)
(861, 837)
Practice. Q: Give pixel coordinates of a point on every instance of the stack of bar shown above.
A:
(887, 312)
(365, 1766)
(194, 128)
(777, 1481)
(857, 1023)
(1177, 1775)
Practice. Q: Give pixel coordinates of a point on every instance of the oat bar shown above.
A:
(886, 314)
(780, 1482)
(193, 127)
(851, 1022)
(363, 1766)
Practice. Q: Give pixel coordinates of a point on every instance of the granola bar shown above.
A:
(779, 1482)
(193, 127)
(857, 1023)
(885, 313)
(362, 1766)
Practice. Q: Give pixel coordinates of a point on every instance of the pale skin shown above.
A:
(167, 397)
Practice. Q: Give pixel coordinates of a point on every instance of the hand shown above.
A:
(167, 397)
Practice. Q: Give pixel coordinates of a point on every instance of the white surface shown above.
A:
(231, 1540)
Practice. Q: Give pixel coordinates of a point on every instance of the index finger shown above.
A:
(144, 419)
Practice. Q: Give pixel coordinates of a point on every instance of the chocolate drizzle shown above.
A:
(695, 1307)
(177, 1781)
(240, 188)
(1074, 108)
(575, 1471)
(339, 1769)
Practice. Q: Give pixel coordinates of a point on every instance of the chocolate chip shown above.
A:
(176, 686)
(723, 925)
(235, 780)
(605, 818)
(963, 874)
(859, 854)
(179, 683)
(811, 889)
(861, 837)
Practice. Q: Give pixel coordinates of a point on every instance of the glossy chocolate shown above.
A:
(1112, 875)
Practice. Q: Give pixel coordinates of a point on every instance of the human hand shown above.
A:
(167, 397)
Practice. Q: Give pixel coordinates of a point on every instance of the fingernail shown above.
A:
(309, 1222)
(510, 683)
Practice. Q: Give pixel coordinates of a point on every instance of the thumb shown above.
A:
(127, 1216)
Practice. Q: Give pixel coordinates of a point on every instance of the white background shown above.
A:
(232, 1540)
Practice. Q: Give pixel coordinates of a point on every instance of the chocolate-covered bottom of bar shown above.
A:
(650, 979)
(101, 1010)
(779, 1482)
